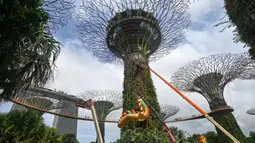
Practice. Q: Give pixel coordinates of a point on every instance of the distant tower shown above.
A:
(63, 124)
(104, 102)
(18, 107)
(251, 111)
(168, 111)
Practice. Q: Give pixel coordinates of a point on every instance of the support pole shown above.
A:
(171, 137)
(92, 108)
(194, 105)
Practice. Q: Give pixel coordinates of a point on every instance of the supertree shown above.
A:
(208, 76)
(131, 32)
(168, 111)
(60, 11)
(251, 111)
(105, 101)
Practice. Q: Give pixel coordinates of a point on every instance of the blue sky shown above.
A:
(79, 71)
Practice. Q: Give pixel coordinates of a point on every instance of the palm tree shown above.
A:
(28, 50)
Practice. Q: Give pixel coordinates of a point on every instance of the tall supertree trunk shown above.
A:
(139, 79)
(102, 130)
(227, 120)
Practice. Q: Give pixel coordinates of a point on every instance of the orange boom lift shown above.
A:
(193, 104)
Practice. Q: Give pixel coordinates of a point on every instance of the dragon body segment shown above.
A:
(141, 114)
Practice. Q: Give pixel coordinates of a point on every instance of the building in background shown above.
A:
(66, 125)
(18, 107)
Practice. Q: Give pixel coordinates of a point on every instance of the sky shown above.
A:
(78, 71)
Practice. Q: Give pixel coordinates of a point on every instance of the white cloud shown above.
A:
(5, 107)
(200, 8)
(48, 119)
(79, 71)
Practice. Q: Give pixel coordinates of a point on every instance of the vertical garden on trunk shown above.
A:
(131, 32)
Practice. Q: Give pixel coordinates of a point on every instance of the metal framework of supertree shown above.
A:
(168, 111)
(251, 111)
(115, 30)
(105, 101)
(132, 32)
(208, 76)
(60, 11)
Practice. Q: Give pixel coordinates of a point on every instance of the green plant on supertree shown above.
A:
(131, 31)
(241, 15)
(208, 76)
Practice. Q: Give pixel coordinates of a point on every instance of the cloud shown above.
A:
(48, 119)
(79, 71)
(5, 107)
(205, 10)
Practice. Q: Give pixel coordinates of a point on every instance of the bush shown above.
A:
(140, 135)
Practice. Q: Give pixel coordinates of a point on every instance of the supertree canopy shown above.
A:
(60, 11)
(208, 76)
(168, 111)
(105, 101)
(133, 31)
(251, 111)
(115, 30)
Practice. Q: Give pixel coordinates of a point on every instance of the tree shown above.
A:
(241, 14)
(24, 126)
(251, 138)
(208, 76)
(131, 32)
(28, 49)
(27, 127)
(69, 138)
(104, 102)
(193, 138)
(179, 135)
(212, 137)
(168, 111)
(140, 135)
(51, 135)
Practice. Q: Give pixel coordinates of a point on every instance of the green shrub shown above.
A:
(140, 135)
